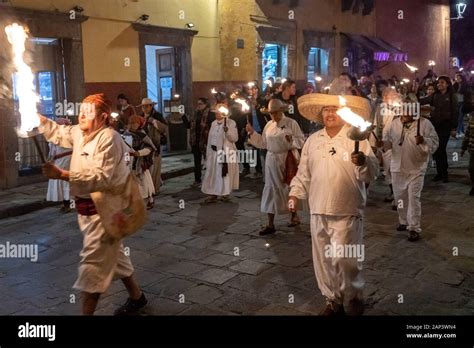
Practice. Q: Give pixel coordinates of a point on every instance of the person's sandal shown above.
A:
(267, 230)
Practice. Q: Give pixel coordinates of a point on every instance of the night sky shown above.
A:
(462, 32)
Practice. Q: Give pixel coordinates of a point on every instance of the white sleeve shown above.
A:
(430, 136)
(370, 169)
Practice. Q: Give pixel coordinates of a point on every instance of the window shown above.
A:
(318, 63)
(274, 61)
(45, 88)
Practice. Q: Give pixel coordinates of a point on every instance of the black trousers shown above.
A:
(441, 156)
(197, 162)
(240, 145)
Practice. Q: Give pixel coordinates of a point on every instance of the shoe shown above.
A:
(401, 228)
(471, 193)
(267, 230)
(294, 223)
(131, 306)
(437, 177)
(225, 199)
(356, 307)
(150, 205)
(333, 309)
(211, 199)
(413, 236)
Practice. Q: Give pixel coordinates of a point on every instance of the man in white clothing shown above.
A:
(334, 179)
(411, 143)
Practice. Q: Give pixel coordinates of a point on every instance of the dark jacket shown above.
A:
(295, 115)
(468, 141)
(445, 114)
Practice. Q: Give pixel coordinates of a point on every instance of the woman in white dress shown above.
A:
(58, 190)
(222, 168)
(280, 136)
(142, 153)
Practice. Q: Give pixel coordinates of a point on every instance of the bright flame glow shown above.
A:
(411, 67)
(251, 84)
(268, 82)
(25, 86)
(318, 78)
(283, 80)
(114, 115)
(406, 80)
(213, 91)
(223, 110)
(243, 103)
(431, 63)
(351, 117)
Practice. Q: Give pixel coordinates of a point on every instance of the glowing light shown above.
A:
(243, 103)
(267, 245)
(114, 115)
(176, 96)
(223, 110)
(251, 84)
(406, 80)
(431, 63)
(25, 86)
(283, 80)
(411, 67)
(318, 78)
(351, 117)
(268, 83)
(213, 91)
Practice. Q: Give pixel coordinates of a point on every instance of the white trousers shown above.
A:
(102, 258)
(407, 191)
(155, 172)
(338, 276)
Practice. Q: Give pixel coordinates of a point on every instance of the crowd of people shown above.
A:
(312, 158)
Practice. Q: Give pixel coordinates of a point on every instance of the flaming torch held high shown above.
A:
(25, 86)
(360, 127)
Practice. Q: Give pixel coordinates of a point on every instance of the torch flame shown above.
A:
(213, 91)
(25, 86)
(243, 103)
(411, 67)
(223, 110)
(351, 117)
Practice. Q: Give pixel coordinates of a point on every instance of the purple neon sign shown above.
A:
(394, 57)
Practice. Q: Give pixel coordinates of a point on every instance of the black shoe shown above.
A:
(333, 310)
(132, 306)
(471, 193)
(413, 236)
(267, 230)
(401, 228)
(437, 177)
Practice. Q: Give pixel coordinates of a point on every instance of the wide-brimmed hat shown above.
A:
(310, 106)
(275, 105)
(146, 101)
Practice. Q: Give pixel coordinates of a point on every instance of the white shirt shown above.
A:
(409, 158)
(329, 179)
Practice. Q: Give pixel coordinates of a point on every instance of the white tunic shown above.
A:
(326, 175)
(275, 191)
(96, 165)
(410, 158)
(214, 183)
(58, 190)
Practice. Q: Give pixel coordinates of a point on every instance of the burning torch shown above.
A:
(360, 128)
(25, 87)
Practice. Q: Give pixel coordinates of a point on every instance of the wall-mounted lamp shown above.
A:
(143, 18)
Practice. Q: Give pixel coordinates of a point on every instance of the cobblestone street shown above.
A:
(209, 260)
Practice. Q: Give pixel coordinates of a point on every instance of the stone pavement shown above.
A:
(209, 260)
(27, 198)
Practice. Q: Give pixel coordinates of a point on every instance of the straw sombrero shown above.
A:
(310, 105)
